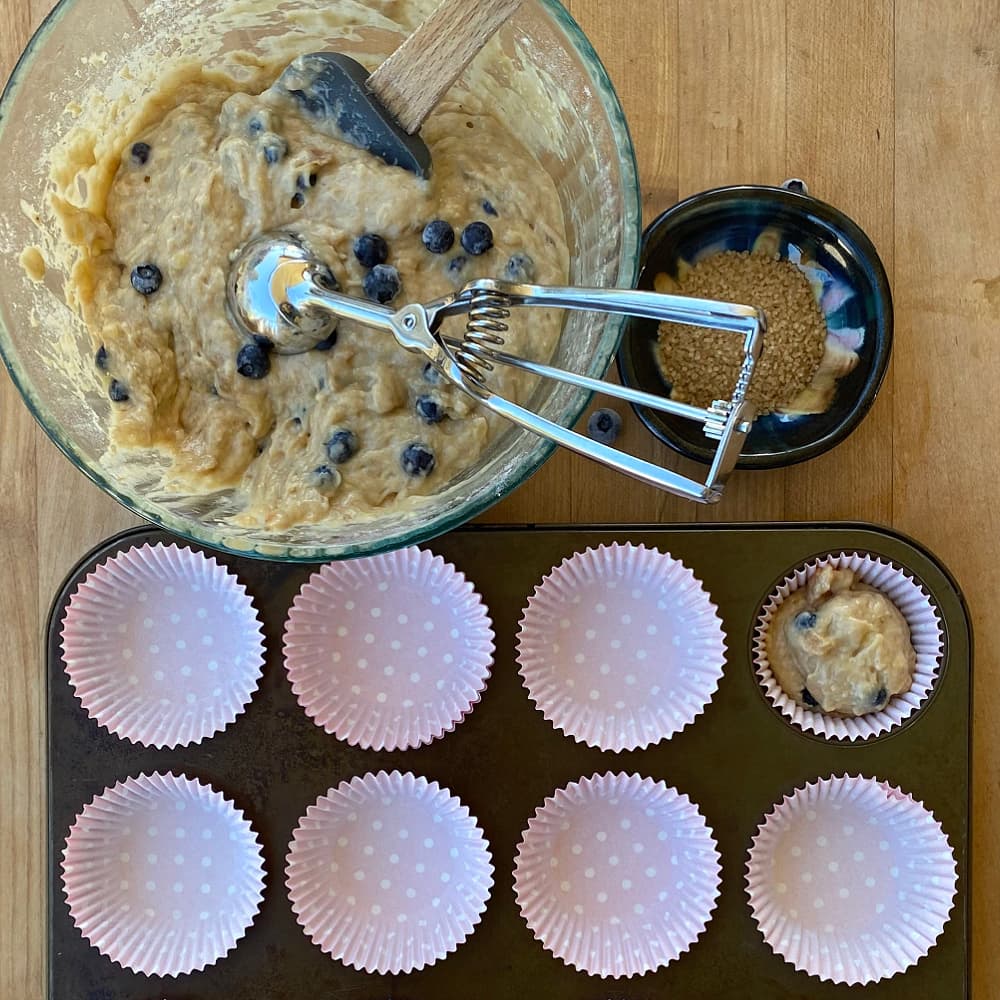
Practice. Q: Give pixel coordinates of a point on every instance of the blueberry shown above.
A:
(275, 149)
(382, 283)
(456, 265)
(604, 426)
(805, 620)
(438, 236)
(880, 697)
(341, 446)
(520, 269)
(371, 250)
(432, 375)
(809, 699)
(101, 358)
(429, 410)
(117, 392)
(140, 153)
(298, 200)
(417, 460)
(477, 238)
(296, 421)
(253, 361)
(324, 476)
(328, 344)
(146, 278)
(488, 208)
(255, 126)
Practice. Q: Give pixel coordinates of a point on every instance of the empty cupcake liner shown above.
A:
(388, 652)
(621, 647)
(388, 873)
(162, 874)
(162, 645)
(926, 634)
(851, 880)
(617, 875)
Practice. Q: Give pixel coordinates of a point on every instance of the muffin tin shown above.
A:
(735, 762)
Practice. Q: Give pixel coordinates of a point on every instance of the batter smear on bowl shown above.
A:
(217, 155)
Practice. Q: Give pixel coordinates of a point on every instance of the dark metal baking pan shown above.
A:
(737, 759)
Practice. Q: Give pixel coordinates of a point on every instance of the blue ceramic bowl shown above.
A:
(851, 287)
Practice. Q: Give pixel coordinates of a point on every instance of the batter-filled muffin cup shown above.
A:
(851, 880)
(162, 645)
(621, 646)
(617, 875)
(863, 632)
(388, 652)
(162, 874)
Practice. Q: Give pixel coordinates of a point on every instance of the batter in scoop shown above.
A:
(357, 427)
(840, 646)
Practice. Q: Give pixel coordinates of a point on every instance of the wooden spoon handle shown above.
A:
(415, 77)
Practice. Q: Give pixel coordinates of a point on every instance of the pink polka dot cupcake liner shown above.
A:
(388, 873)
(851, 880)
(617, 875)
(388, 652)
(162, 874)
(621, 647)
(926, 634)
(162, 646)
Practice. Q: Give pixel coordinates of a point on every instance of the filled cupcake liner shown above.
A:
(617, 875)
(388, 873)
(851, 880)
(621, 647)
(388, 652)
(926, 634)
(162, 646)
(162, 874)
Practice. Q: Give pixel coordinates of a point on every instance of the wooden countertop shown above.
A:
(888, 109)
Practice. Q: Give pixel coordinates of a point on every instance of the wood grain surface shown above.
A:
(888, 109)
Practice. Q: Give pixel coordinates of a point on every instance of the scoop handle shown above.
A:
(416, 76)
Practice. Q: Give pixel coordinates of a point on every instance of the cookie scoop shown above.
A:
(281, 295)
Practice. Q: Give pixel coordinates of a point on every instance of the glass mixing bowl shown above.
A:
(547, 74)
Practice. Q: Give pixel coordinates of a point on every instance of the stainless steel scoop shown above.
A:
(281, 292)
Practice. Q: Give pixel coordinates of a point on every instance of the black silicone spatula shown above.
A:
(382, 112)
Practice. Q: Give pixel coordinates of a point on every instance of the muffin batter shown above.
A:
(840, 646)
(344, 432)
